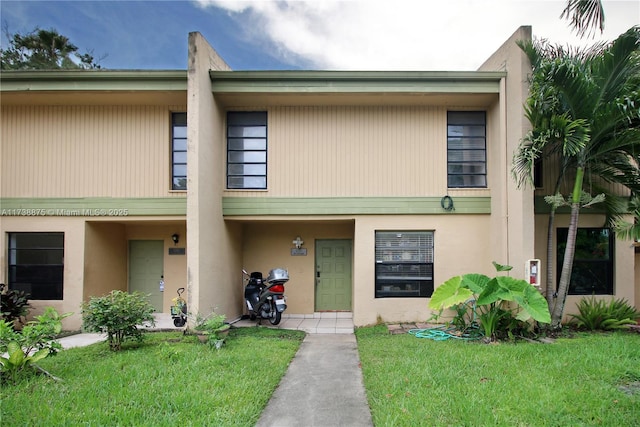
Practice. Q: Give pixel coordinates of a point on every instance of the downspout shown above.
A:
(503, 139)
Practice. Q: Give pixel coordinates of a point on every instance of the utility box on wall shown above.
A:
(532, 272)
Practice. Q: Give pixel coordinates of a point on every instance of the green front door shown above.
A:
(333, 275)
(146, 268)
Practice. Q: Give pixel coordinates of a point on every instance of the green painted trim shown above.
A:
(93, 206)
(93, 80)
(241, 206)
(355, 82)
(264, 206)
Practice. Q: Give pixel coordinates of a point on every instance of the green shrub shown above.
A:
(596, 314)
(35, 341)
(14, 304)
(117, 314)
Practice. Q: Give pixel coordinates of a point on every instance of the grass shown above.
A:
(170, 379)
(592, 379)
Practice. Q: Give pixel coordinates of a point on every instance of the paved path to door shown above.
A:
(323, 386)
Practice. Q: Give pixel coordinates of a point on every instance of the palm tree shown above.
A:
(583, 108)
(585, 15)
(44, 50)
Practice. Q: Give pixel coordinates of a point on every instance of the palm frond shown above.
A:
(587, 200)
(616, 208)
(584, 15)
(556, 200)
(574, 134)
(616, 65)
(616, 170)
(629, 230)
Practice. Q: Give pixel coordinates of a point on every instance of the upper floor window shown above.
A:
(178, 151)
(247, 150)
(36, 264)
(466, 149)
(592, 271)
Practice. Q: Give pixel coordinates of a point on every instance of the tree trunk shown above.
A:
(552, 291)
(569, 252)
(551, 288)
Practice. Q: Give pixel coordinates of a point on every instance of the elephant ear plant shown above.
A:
(497, 305)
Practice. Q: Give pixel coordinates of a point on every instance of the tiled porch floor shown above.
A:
(317, 323)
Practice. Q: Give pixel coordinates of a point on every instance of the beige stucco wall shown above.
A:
(73, 147)
(387, 150)
(86, 151)
(267, 245)
(512, 207)
(215, 258)
(96, 257)
(460, 245)
(105, 266)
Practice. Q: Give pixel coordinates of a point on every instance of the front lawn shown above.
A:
(591, 379)
(170, 379)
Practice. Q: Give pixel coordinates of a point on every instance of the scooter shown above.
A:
(266, 300)
(179, 310)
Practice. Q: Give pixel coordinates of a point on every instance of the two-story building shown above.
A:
(371, 188)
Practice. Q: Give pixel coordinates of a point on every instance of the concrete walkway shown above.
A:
(163, 323)
(323, 386)
(81, 340)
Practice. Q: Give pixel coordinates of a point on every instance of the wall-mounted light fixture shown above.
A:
(176, 238)
(298, 242)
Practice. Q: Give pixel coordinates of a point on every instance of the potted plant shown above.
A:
(212, 329)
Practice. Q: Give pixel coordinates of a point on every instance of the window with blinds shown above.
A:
(404, 264)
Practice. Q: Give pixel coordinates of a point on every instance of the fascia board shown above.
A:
(90, 80)
(354, 82)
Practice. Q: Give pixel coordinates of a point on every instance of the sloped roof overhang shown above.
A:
(264, 88)
(73, 86)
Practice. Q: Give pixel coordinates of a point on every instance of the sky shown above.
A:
(375, 35)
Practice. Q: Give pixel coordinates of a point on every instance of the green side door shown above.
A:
(146, 267)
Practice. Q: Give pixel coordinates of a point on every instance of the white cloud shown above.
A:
(406, 34)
